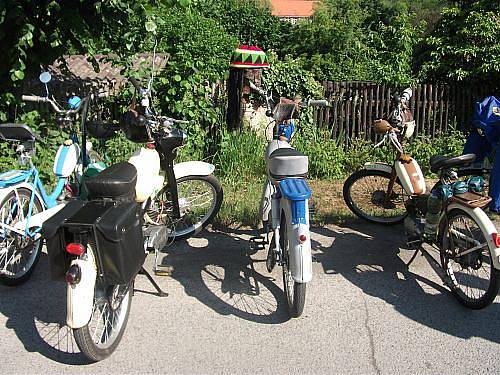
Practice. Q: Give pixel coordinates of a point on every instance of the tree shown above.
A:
(465, 44)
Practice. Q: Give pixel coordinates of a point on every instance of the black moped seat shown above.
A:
(117, 181)
(438, 162)
(16, 132)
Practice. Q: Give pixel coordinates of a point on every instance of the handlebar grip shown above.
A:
(32, 98)
(135, 83)
(318, 103)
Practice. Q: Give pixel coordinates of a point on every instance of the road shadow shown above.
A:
(371, 257)
(220, 270)
(36, 312)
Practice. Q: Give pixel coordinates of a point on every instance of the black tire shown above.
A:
(104, 298)
(471, 272)
(12, 246)
(295, 293)
(160, 211)
(372, 209)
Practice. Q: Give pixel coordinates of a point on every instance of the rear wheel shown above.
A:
(200, 199)
(19, 253)
(295, 293)
(467, 261)
(99, 338)
(365, 193)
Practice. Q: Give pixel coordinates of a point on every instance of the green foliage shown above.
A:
(395, 43)
(288, 78)
(249, 20)
(355, 40)
(464, 46)
(422, 148)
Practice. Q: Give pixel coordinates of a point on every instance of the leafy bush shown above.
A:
(288, 78)
(464, 46)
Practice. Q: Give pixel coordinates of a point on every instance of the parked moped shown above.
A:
(98, 247)
(450, 217)
(284, 206)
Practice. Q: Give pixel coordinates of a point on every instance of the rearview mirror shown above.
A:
(45, 77)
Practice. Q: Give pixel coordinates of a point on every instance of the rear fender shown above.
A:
(486, 226)
(80, 297)
(299, 252)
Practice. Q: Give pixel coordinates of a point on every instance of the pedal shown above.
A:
(160, 269)
(157, 237)
(271, 259)
(258, 243)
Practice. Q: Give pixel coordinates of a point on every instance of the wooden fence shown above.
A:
(436, 107)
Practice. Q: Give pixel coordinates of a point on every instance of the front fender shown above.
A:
(486, 226)
(378, 166)
(193, 168)
(5, 191)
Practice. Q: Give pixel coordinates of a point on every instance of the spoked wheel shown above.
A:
(295, 292)
(200, 198)
(99, 338)
(466, 259)
(365, 193)
(19, 253)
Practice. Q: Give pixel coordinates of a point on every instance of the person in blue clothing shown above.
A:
(484, 141)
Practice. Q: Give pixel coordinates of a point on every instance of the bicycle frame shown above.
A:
(33, 183)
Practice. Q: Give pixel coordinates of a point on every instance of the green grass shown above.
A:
(241, 203)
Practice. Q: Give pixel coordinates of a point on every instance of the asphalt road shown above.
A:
(366, 312)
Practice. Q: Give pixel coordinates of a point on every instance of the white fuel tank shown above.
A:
(66, 159)
(149, 180)
(411, 176)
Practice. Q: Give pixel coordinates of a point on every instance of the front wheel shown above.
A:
(200, 199)
(365, 193)
(19, 254)
(467, 261)
(295, 293)
(100, 337)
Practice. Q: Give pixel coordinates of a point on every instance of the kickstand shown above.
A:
(161, 293)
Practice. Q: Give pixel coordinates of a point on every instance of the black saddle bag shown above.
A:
(113, 228)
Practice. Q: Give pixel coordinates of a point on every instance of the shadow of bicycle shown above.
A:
(225, 271)
(36, 312)
(373, 257)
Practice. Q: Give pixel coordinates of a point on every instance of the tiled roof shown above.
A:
(79, 67)
(292, 8)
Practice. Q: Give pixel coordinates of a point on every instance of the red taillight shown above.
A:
(302, 238)
(496, 239)
(74, 275)
(75, 248)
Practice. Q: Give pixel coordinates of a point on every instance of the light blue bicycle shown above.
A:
(24, 202)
